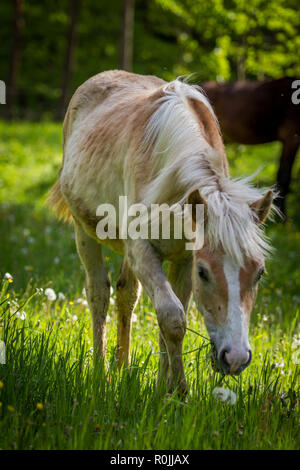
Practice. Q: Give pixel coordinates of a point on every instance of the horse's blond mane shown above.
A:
(182, 160)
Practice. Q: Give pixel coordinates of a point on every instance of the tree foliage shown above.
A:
(217, 39)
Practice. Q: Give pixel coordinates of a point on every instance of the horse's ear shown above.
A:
(195, 198)
(262, 206)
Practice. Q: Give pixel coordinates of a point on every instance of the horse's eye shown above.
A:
(259, 275)
(203, 274)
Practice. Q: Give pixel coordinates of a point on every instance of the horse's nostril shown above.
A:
(223, 361)
(249, 358)
(246, 364)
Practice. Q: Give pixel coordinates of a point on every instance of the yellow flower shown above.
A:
(7, 296)
(71, 302)
(10, 280)
(86, 331)
(40, 406)
(10, 408)
(1, 384)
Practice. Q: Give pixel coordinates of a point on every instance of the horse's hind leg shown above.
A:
(284, 174)
(97, 285)
(128, 289)
(180, 278)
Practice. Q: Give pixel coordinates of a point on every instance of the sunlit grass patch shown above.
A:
(51, 396)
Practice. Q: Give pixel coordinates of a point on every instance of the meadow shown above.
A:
(51, 397)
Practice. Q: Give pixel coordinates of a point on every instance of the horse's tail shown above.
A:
(58, 203)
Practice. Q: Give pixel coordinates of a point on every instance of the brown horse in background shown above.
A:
(252, 112)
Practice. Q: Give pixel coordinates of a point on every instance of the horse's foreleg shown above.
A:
(179, 276)
(284, 175)
(97, 285)
(127, 297)
(170, 312)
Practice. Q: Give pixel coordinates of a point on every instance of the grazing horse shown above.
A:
(252, 112)
(157, 142)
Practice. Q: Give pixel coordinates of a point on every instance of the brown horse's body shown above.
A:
(260, 112)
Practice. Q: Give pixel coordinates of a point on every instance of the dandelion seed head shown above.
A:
(225, 395)
(21, 315)
(50, 294)
(61, 296)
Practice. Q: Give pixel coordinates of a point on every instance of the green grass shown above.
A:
(51, 397)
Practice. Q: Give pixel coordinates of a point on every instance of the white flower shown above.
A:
(31, 240)
(56, 260)
(74, 318)
(61, 296)
(50, 294)
(134, 317)
(107, 318)
(82, 302)
(225, 395)
(111, 290)
(8, 276)
(84, 292)
(21, 315)
(296, 342)
(112, 301)
(280, 364)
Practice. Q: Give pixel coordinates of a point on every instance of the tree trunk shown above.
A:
(127, 35)
(69, 58)
(15, 58)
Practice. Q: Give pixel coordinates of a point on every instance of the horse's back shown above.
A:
(101, 88)
(253, 112)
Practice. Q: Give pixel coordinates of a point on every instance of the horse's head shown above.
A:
(225, 291)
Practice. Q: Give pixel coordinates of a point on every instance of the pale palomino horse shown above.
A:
(157, 142)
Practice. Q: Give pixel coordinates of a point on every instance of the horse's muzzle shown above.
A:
(228, 364)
